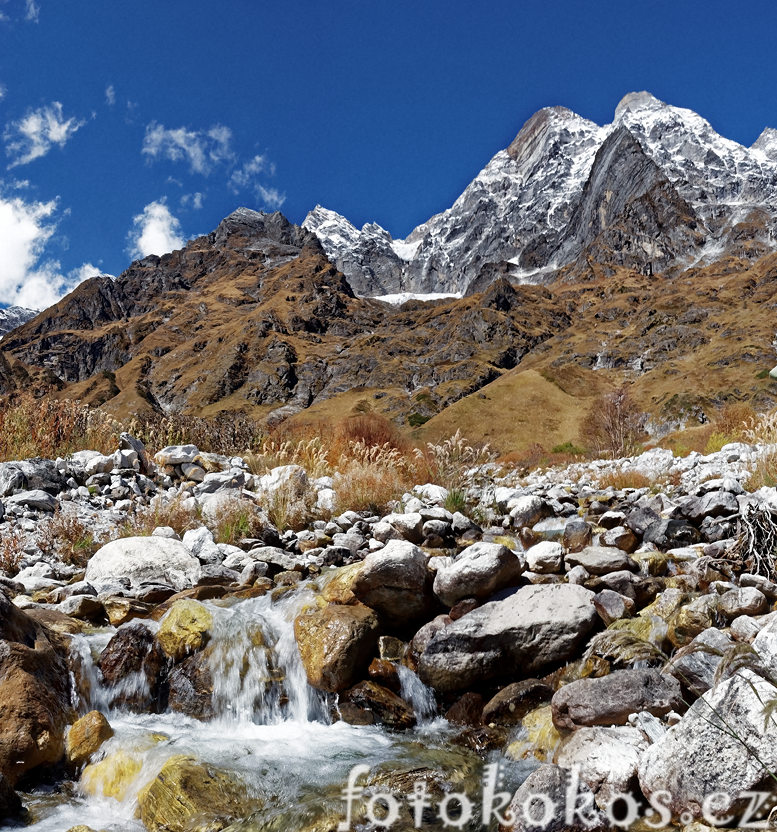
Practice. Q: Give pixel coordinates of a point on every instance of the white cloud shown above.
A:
(270, 197)
(244, 176)
(32, 11)
(193, 201)
(155, 231)
(34, 135)
(202, 149)
(27, 277)
(3, 91)
(110, 95)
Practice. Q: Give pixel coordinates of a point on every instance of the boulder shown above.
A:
(36, 499)
(408, 526)
(11, 807)
(86, 737)
(185, 629)
(609, 700)
(532, 629)
(34, 694)
(144, 560)
(336, 644)
(621, 538)
(599, 560)
(668, 534)
(719, 746)
(176, 455)
(696, 664)
(612, 606)
(396, 583)
(526, 510)
(187, 794)
(577, 535)
(542, 801)
(743, 601)
(477, 572)
(134, 666)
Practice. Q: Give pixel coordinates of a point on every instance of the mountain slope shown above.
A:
(510, 218)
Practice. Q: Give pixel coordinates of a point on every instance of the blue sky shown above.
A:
(127, 128)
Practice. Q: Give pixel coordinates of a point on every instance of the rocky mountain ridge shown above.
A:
(514, 218)
(12, 317)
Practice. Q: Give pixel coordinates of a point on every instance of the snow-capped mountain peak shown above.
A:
(14, 316)
(518, 211)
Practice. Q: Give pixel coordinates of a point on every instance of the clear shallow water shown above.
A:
(272, 729)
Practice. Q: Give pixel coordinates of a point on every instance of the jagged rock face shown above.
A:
(14, 316)
(629, 214)
(523, 210)
(255, 314)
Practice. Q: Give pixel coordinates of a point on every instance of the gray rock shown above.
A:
(695, 665)
(699, 757)
(621, 538)
(612, 606)
(607, 759)
(744, 601)
(395, 582)
(577, 535)
(610, 700)
(532, 629)
(712, 504)
(526, 510)
(477, 572)
(407, 526)
(599, 560)
(176, 455)
(36, 499)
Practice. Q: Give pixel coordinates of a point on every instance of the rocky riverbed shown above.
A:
(554, 632)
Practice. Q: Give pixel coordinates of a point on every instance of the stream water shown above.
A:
(272, 731)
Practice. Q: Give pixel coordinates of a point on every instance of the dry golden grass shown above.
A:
(11, 552)
(624, 479)
(49, 428)
(172, 513)
(68, 538)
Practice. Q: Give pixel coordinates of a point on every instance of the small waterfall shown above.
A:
(417, 694)
(255, 664)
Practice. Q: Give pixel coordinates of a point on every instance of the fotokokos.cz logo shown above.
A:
(537, 810)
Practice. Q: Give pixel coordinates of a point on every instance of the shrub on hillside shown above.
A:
(615, 425)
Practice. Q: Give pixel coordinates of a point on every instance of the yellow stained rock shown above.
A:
(86, 736)
(185, 629)
(542, 738)
(113, 776)
(188, 796)
(339, 590)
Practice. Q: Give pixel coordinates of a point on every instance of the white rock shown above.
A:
(176, 454)
(545, 557)
(144, 560)
(698, 756)
(430, 493)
